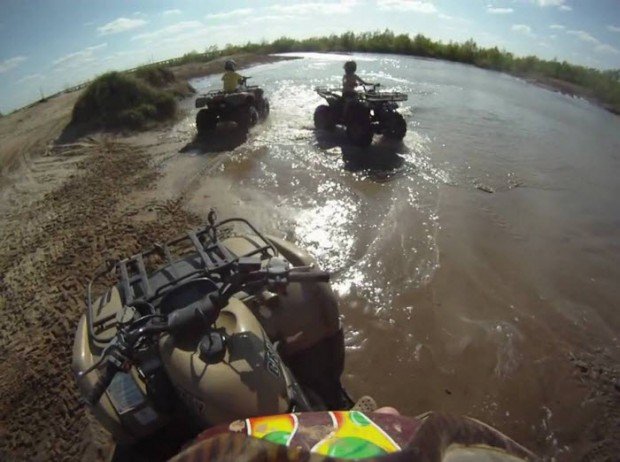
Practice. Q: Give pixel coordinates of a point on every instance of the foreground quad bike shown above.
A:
(245, 106)
(363, 115)
(228, 328)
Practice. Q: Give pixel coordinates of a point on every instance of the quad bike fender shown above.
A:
(303, 316)
(201, 101)
(238, 99)
(249, 381)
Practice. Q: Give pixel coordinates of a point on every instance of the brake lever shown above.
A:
(102, 360)
(112, 353)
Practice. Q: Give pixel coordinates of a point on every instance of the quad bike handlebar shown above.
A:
(208, 309)
(370, 87)
(118, 356)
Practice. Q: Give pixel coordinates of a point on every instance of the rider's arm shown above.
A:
(360, 81)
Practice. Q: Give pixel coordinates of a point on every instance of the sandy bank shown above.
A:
(66, 208)
(571, 89)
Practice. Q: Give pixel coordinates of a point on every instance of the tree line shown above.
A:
(602, 85)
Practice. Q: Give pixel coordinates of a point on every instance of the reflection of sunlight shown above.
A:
(354, 340)
(324, 231)
(379, 241)
(382, 75)
(327, 56)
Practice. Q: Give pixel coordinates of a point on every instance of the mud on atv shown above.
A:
(367, 113)
(245, 106)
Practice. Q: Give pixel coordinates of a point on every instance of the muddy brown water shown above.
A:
(472, 261)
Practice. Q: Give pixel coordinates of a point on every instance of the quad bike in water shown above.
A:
(215, 325)
(245, 106)
(362, 114)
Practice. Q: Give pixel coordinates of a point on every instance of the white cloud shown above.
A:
(169, 31)
(270, 18)
(31, 78)
(455, 19)
(417, 6)
(11, 63)
(599, 46)
(493, 10)
(545, 3)
(79, 57)
(613, 28)
(560, 4)
(606, 48)
(231, 14)
(583, 36)
(305, 8)
(171, 12)
(557, 27)
(179, 38)
(522, 28)
(121, 25)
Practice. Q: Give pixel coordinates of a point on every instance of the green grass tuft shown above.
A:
(156, 76)
(116, 100)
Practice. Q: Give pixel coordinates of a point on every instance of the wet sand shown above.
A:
(66, 209)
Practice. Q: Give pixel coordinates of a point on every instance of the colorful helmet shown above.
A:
(230, 65)
(350, 67)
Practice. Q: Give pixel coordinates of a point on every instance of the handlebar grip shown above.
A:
(102, 384)
(204, 310)
(311, 276)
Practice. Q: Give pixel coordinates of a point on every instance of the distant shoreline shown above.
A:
(567, 88)
(548, 83)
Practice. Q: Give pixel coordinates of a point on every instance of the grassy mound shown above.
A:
(156, 76)
(163, 78)
(115, 100)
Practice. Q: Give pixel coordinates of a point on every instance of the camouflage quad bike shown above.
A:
(245, 107)
(220, 324)
(363, 115)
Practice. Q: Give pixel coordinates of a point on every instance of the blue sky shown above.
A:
(46, 46)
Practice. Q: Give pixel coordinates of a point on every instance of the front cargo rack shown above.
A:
(208, 256)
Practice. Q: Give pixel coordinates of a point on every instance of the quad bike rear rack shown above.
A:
(329, 92)
(134, 284)
(201, 100)
(371, 96)
(384, 96)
